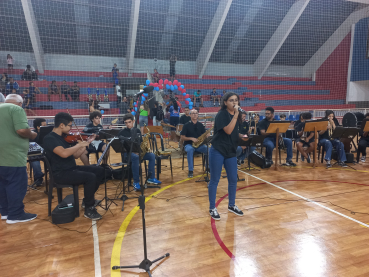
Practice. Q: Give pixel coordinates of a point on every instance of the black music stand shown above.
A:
(345, 133)
(145, 263)
(277, 127)
(44, 130)
(106, 198)
(207, 142)
(315, 126)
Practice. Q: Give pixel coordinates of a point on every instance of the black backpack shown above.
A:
(160, 115)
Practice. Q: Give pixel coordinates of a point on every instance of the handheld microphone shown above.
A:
(241, 110)
(147, 89)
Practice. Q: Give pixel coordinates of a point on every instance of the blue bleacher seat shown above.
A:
(292, 117)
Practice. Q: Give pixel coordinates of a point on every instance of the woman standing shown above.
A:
(223, 152)
(10, 61)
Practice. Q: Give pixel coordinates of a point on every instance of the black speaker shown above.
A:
(259, 160)
(64, 211)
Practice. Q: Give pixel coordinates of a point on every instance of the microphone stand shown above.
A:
(146, 263)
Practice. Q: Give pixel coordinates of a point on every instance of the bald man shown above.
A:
(14, 136)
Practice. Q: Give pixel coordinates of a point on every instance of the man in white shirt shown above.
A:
(118, 91)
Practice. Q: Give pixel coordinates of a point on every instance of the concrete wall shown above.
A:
(101, 64)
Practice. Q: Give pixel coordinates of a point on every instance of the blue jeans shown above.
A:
(136, 165)
(216, 162)
(269, 144)
(329, 144)
(37, 173)
(190, 151)
(241, 154)
(13, 188)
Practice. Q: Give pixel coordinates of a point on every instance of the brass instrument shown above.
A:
(201, 138)
(145, 144)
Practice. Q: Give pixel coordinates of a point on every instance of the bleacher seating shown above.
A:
(280, 93)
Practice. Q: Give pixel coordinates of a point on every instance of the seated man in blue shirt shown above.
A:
(215, 97)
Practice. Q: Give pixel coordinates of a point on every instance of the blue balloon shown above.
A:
(184, 94)
(167, 103)
(102, 111)
(135, 109)
(143, 98)
(182, 86)
(188, 99)
(147, 82)
(156, 88)
(142, 102)
(146, 94)
(133, 113)
(191, 103)
(175, 87)
(172, 87)
(190, 107)
(167, 86)
(145, 86)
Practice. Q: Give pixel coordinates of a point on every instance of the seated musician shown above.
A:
(363, 142)
(96, 146)
(305, 145)
(270, 139)
(36, 166)
(190, 132)
(242, 150)
(326, 140)
(186, 117)
(129, 122)
(63, 165)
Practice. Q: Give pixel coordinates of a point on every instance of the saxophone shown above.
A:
(145, 144)
(201, 138)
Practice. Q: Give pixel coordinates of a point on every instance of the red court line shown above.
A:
(214, 227)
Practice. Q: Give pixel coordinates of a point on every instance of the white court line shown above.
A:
(308, 200)
(96, 250)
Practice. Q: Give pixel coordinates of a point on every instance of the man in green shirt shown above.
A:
(14, 136)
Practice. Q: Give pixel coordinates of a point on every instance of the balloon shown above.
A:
(182, 86)
(102, 111)
(188, 99)
(156, 84)
(175, 82)
(167, 103)
(179, 84)
(142, 102)
(161, 86)
(172, 87)
(175, 87)
(135, 109)
(169, 83)
(133, 113)
(146, 94)
(147, 82)
(135, 104)
(145, 86)
(183, 90)
(180, 89)
(187, 102)
(157, 88)
(160, 82)
(187, 96)
(143, 99)
(151, 84)
(184, 94)
(191, 103)
(165, 81)
(168, 86)
(190, 107)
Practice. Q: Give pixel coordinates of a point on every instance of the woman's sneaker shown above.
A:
(235, 210)
(23, 218)
(91, 213)
(214, 214)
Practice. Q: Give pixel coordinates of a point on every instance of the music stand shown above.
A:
(364, 128)
(44, 130)
(277, 127)
(252, 140)
(315, 126)
(346, 133)
(207, 142)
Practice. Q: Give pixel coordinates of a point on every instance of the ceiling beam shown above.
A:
(131, 41)
(34, 35)
(334, 40)
(242, 29)
(212, 36)
(175, 8)
(278, 38)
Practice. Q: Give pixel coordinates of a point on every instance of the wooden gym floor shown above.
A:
(297, 222)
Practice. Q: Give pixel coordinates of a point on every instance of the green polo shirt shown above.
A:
(13, 148)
